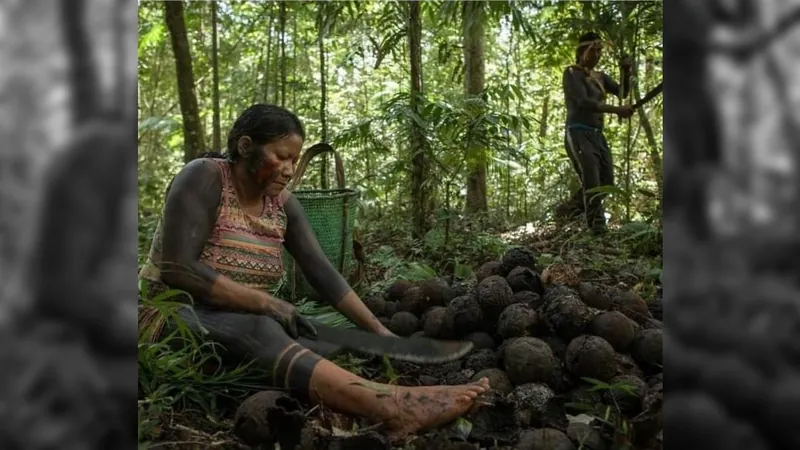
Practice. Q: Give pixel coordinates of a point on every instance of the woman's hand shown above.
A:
(383, 331)
(354, 309)
(286, 314)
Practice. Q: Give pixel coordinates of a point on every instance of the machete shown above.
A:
(649, 96)
(417, 350)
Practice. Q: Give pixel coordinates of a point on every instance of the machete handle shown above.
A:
(305, 327)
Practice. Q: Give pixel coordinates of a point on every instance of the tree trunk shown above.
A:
(258, 75)
(368, 155)
(192, 128)
(282, 19)
(655, 157)
(519, 129)
(472, 21)
(545, 117)
(294, 61)
(323, 119)
(508, 131)
(125, 90)
(694, 139)
(269, 57)
(419, 203)
(628, 181)
(217, 133)
(30, 82)
(84, 80)
(276, 91)
(191, 10)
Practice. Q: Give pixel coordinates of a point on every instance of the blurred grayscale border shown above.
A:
(732, 219)
(68, 216)
(68, 241)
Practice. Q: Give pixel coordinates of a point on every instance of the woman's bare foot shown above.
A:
(404, 410)
(411, 409)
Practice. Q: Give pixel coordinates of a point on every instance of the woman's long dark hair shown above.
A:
(263, 124)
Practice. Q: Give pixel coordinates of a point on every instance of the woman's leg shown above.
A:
(404, 410)
(297, 369)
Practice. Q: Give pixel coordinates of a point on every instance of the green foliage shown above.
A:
(598, 385)
(515, 126)
(325, 314)
(388, 370)
(397, 267)
(172, 375)
(610, 416)
(414, 260)
(179, 372)
(368, 102)
(461, 247)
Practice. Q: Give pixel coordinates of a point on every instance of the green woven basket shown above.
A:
(332, 215)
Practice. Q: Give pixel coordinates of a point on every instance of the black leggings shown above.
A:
(289, 363)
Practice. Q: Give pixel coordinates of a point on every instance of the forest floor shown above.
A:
(628, 258)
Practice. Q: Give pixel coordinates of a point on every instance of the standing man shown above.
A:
(585, 91)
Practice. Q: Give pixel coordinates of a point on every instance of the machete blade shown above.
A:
(650, 95)
(417, 350)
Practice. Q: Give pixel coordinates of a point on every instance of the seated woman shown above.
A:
(220, 238)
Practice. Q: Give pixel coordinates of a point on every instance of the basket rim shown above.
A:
(327, 190)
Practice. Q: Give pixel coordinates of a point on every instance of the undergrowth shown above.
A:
(610, 416)
(182, 375)
(174, 374)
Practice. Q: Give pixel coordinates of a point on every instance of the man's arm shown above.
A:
(575, 89)
(302, 244)
(189, 217)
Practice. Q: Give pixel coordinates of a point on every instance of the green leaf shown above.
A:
(151, 37)
(596, 384)
(463, 272)
(419, 272)
(462, 428)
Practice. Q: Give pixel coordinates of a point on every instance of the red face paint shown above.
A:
(263, 174)
(267, 171)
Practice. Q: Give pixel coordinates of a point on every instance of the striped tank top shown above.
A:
(245, 248)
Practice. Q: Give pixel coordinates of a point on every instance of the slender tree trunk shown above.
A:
(508, 131)
(628, 181)
(447, 208)
(472, 21)
(155, 76)
(323, 85)
(282, 13)
(368, 156)
(294, 61)
(124, 86)
(519, 129)
(192, 128)
(545, 117)
(217, 133)
(84, 80)
(28, 82)
(419, 203)
(655, 157)
(268, 58)
(627, 43)
(258, 75)
(276, 91)
(193, 9)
